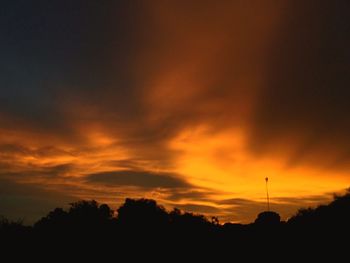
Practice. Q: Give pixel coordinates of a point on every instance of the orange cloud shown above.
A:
(193, 104)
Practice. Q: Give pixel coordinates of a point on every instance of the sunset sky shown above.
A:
(190, 103)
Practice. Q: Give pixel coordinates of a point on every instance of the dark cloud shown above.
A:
(141, 73)
(305, 104)
(13, 149)
(60, 54)
(70, 64)
(142, 179)
(127, 164)
(16, 150)
(33, 173)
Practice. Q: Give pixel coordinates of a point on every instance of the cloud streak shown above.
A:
(190, 103)
(142, 179)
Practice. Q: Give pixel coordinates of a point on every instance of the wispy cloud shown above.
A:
(189, 103)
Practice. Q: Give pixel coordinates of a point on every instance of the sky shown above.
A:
(190, 103)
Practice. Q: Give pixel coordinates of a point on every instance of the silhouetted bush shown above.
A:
(11, 227)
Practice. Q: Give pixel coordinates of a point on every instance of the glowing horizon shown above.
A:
(191, 104)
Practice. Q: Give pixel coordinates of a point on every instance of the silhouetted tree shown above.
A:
(144, 227)
(268, 218)
(82, 216)
(335, 215)
(89, 211)
(55, 219)
(142, 213)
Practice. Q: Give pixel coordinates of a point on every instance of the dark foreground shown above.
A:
(142, 230)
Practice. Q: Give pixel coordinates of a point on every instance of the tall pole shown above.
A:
(267, 194)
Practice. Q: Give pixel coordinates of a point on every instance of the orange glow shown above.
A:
(220, 161)
(216, 163)
(189, 102)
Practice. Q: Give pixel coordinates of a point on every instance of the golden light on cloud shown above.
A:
(192, 104)
(216, 164)
(222, 162)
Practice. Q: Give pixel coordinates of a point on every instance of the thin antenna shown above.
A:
(267, 194)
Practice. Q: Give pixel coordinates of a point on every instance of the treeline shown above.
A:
(143, 225)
